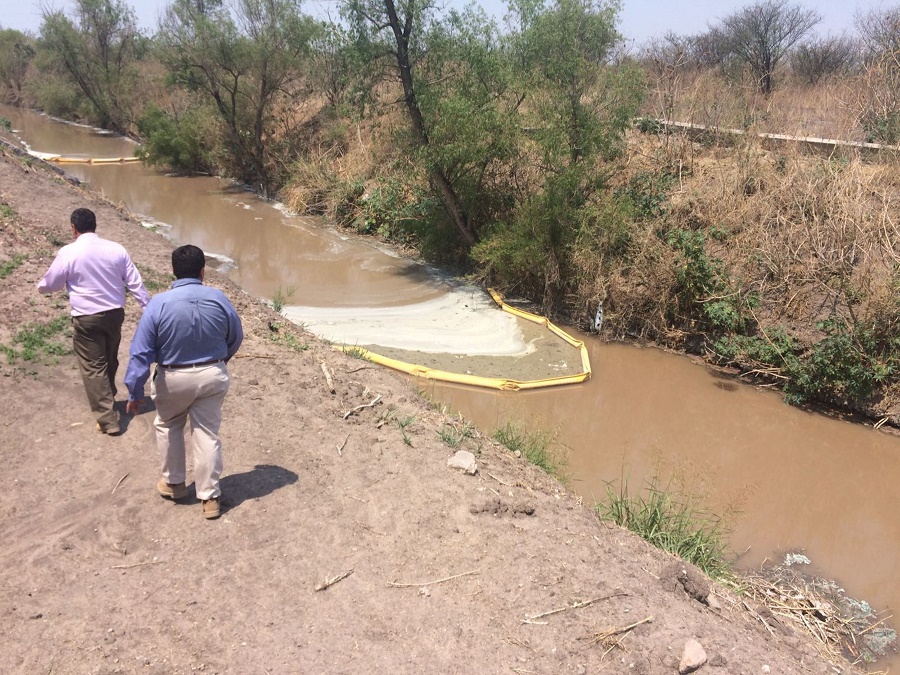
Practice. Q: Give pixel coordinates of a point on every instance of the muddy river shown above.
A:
(798, 481)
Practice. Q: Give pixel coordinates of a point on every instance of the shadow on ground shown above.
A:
(263, 479)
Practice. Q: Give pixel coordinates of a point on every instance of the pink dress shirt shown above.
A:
(96, 273)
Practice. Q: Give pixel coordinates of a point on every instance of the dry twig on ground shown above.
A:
(576, 605)
(333, 580)
(328, 377)
(361, 407)
(399, 584)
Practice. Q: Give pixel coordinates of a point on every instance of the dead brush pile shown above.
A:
(840, 625)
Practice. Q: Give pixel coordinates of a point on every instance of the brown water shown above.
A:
(802, 481)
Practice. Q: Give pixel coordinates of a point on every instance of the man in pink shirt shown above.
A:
(96, 272)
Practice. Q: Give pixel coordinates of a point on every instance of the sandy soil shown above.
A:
(442, 570)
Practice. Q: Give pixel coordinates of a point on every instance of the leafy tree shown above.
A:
(562, 49)
(98, 50)
(394, 35)
(574, 115)
(16, 53)
(762, 34)
(331, 66)
(244, 65)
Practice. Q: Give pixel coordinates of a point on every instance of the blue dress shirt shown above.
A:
(191, 323)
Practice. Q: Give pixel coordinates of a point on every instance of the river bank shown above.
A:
(445, 571)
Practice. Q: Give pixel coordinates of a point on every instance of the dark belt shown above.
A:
(190, 365)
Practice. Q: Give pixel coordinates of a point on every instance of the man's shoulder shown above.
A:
(111, 245)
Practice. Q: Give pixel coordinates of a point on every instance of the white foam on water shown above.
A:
(225, 264)
(40, 155)
(285, 211)
(464, 321)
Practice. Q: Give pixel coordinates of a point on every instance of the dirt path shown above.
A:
(98, 574)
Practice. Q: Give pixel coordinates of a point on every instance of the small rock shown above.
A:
(518, 453)
(464, 461)
(713, 603)
(692, 658)
(766, 669)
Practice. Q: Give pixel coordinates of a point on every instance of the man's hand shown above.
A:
(134, 407)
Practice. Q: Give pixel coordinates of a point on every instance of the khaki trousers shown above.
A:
(95, 340)
(196, 392)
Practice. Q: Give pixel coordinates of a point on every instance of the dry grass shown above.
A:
(831, 109)
(812, 236)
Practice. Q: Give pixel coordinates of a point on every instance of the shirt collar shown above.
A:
(185, 282)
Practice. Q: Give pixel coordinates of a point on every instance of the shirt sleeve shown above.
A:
(235, 331)
(55, 278)
(141, 354)
(134, 283)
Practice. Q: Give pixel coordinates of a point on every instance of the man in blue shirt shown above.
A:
(190, 332)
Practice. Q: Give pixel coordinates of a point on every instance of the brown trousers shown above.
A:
(96, 341)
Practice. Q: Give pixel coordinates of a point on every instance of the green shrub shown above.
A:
(391, 210)
(774, 349)
(847, 364)
(648, 125)
(882, 128)
(176, 143)
(705, 299)
(672, 521)
(5, 124)
(55, 96)
(646, 192)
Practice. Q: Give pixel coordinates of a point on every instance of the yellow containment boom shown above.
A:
(93, 160)
(489, 382)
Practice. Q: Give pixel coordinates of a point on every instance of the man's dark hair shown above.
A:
(187, 262)
(84, 220)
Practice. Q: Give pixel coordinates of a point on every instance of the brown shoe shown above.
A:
(171, 490)
(111, 431)
(211, 508)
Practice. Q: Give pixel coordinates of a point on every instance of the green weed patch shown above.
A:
(39, 342)
(535, 446)
(11, 265)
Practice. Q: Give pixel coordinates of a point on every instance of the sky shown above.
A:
(639, 20)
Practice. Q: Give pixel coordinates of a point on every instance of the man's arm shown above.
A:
(55, 278)
(142, 353)
(134, 283)
(235, 331)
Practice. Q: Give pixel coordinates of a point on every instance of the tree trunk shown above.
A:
(452, 203)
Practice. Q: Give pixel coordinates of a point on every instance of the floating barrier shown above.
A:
(91, 160)
(489, 382)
